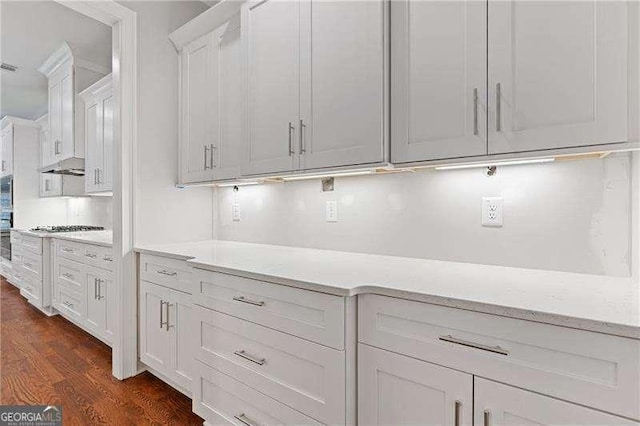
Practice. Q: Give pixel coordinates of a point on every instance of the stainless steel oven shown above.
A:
(6, 216)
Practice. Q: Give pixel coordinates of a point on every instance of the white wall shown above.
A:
(567, 216)
(162, 212)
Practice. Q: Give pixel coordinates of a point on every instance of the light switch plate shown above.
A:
(492, 212)
(332, 211)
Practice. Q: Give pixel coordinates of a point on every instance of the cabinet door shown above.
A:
(93, 134)
(497, 404)
(183, 342)
(55, 119)
(6, 152)
(67, 97)
(557, 74)
(272, 49)
(198, 109)
(105, 175)
(342, 71)
(45, 147)
(96, 306)
(155, 339)
(398, 390)
(438, 79)
(226, 154)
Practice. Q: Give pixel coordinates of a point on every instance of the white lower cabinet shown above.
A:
(397, 390)
(501, 405)
(166, 333)
(83, 293)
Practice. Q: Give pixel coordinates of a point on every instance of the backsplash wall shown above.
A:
(567, 216)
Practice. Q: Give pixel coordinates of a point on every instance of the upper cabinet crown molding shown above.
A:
(97, 89)
(205, 23)
(65, 53)
(8, 120)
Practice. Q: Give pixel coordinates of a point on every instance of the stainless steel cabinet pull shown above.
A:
(245, 420)
(67, 275)
(67, 304)
(90, 255)
(302, 127)
(291, 151)
(243, 354)
(95, 288)
(494, 349)
(100, 297)
(55, 147)
(213, 156)
(161, 313)
(66, 250)
(107, 259)
(498, 107)
(456, 416)
(168, 273)
(249, 301)
(475, 111)
(3, 166)
(206, 148)
(487, 417)
(166, 323)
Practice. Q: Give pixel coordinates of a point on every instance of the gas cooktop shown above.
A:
(67, 228)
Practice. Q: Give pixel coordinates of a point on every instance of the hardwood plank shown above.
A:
(48, 360)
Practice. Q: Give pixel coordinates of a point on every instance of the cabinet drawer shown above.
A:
(15, 237)
(69, 274)
(31, 244)
(313, 316)
(69, 303)
(171, 273)
(31, 264)
(303, 375)
(593, 369)
(31, 288)
(69, 250)
(220, 399)
(105, 258)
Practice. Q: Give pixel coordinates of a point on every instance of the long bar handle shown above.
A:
(455, 340)
(291, 129)
(166, 324)
(95, 289)
(487, 417)
(206, 148)
(475, 111)
(242, 418)
(249, 301)
(161, 313)
(302, 127)
(498, 107)
(213, 157)
(243, 354)
(456, 417)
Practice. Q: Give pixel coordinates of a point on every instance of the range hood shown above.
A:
(70, 166)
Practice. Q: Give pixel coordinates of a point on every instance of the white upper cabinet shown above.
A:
(342, 81)
(6, 151)
(557, 74)
(316, 84)
(67, 75)
(211, 105)
(98, 131)
(439, 79)
(271, 31)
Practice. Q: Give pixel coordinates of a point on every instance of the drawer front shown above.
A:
(16, 256)
(171, 273)
(31, 244)
(70, 304)
(220, 399)
(70, 274)
(69, 250)
(31, 264)
(105, 258)
(15, 237)
(303, 375)
(313, 316)
(593, 369)
(31, 289)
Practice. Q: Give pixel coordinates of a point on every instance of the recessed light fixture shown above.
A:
(495, 163)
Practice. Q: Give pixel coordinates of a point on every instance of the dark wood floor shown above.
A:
(49, 361)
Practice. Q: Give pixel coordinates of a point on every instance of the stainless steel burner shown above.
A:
(67, 228)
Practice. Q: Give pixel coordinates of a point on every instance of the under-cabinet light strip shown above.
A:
(495, 163)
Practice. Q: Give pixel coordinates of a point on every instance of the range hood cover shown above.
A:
(70, 166)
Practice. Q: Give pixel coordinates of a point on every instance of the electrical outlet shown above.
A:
(332, 211)
(235, 212)
(492, 211)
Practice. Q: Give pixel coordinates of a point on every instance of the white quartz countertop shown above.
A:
(100, 238)
(590, 302)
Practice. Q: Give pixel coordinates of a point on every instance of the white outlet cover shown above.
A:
(492, 211)
(331, 214)
(235, 212)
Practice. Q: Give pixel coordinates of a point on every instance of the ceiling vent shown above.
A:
(8, 67)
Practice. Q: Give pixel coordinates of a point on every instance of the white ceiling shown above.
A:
(29, 32)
